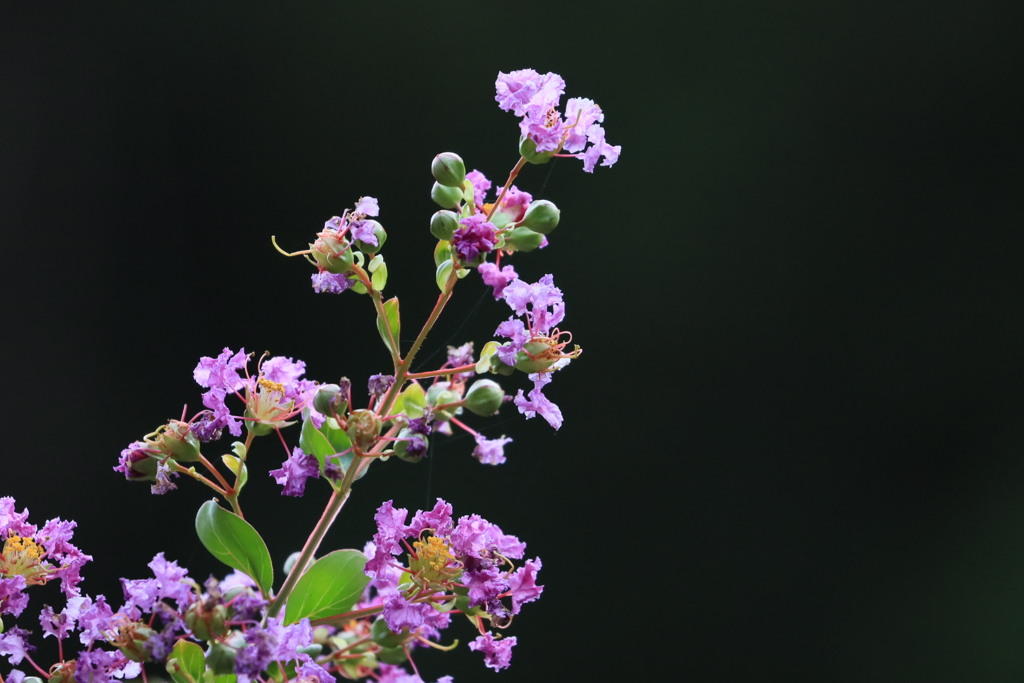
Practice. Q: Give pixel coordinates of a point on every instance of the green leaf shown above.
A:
(380, 277)
(442, 252)
(331, 586)
(235, 542)
(186, 663)
(414, 399)
(328, 440)
(390, 321)
(441, 275)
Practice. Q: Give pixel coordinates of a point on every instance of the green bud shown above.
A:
(31, 679)
(441, 394)
(207, 623)
(542, 217)
(176, 440)
(330, 400)
(61, 673)
(484, 397)
(379, 232)
(332, 252)
(445, 197)
(522, 239)
(528, 150)
(363, 428)
(443, 225)
(401, 447)
(448, 169)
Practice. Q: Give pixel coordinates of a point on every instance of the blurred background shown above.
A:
(794, 445)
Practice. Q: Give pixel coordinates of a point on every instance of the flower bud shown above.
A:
(441, 394)
(378, 231)
(332, 252)
(330, 400)
(131, 641)
(411, 446)
(60, 673)
(363, 428)
(445, 197)
(542, 217)
(522, 239)
(448, 169)
(205, 621)
(385, 637)
(176, 440)
(528, 150)
(443, 224)
(220, 656)
(484, 397)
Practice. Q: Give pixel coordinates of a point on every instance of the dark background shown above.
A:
(793, 446)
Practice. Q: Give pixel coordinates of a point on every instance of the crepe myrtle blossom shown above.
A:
(34, 556)
(536, 345)
(444, 557)
(535, 98)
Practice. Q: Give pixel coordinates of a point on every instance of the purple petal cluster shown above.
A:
(470, 554)
(535, 98)
(475, 238)
(294, 472)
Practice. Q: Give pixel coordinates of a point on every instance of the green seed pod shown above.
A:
(448, 169)
(443, 225)
(441, 394)
(220, 656)
(132, 639)
(484, 397)
(523, 239)
(542, 217)
(176, 439)
(207, 623)
(535, 356)
(363, 428)
(332, 253)
(528, 149)
(445, 197)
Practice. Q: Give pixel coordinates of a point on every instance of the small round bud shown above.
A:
(220, 656)
(378, 231)
(445, 197)
(440, 396)
(132, 639)
(522, 239)
(385, 637)
(528, 150)
(484, 397)
(363, 428)
(330, 400)
(411, 447)
(542, 217)
(205, 621)
(443, 224)
(448, 169)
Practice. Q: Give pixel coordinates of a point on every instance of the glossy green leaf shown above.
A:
(331, 585)
(187, 663)
(443, 272)
(235, 542)
(391, 321)
(414, 400)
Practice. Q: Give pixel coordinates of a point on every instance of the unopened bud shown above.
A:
(542, 217)
(132, 639)
(207, 622)
(363, 428)
(439, 396)
(443, 224)
(445, 197)
(448, 169)
(522, 239)
(330, 400)
(484, 397)
(535, 356)
(220, 656)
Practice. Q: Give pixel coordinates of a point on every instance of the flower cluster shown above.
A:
(535, 98)
(465, 564)
(344, 613)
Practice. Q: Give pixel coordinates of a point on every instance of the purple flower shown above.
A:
(480, 186)
(538, 403)
(221, 376)
(295, 471)
(497, 653)
(14, 644)
(364, 231)
(490, 451)
(330, 283)
(526, 91)
(475, 238)
(523, 584)
(599, 148)
(13, 598)
(367, 206)
(379, 384)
